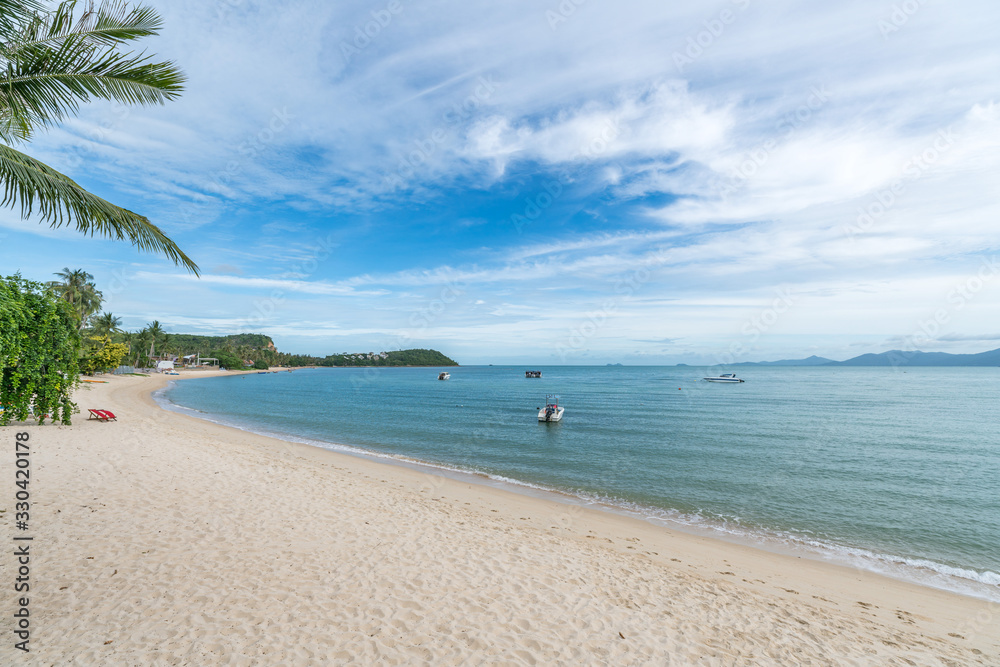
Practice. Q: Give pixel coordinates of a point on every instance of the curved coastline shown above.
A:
(921, 572)
(172, 539)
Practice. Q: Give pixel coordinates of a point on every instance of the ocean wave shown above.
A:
(982, 584)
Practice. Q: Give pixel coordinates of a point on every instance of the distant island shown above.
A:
(259, 351)
(893, 358)
(398, 358)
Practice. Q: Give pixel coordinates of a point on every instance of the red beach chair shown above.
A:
(102, 415)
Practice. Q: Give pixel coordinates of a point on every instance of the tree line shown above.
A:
(105, 345)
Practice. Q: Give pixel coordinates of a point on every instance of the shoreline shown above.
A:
(912, 570)
(414, 566)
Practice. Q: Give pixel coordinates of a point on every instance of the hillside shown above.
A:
(916, 358)
(892, 358)
(205, 344)
(258, 349)
(416, 357)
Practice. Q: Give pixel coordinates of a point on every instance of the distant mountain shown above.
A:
(891, 358)
(809, 361)
(916, 358)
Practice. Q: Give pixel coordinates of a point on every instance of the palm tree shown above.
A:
(72, 284)
(78, 288)
(106, 324)
(90, 302)
(155, 334)
(50, 62)
(137, 342)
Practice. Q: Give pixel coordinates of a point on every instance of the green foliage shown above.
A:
(106, 324)
(190, 344)
(39, 350)
(78, 289)
(260, 365)
(102, 354)
(417, 357)
(50, 63)
(228, 360)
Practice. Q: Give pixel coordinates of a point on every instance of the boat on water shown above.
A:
(552, 412)
(725, 377)
(532, 374)
(444, 376)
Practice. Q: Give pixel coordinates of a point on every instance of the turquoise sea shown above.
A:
(892, 471)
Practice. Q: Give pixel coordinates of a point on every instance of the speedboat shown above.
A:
(444, 376)
(551, 412)
(532, 374)
(725, 377)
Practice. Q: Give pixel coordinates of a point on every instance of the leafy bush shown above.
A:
(228, 360)
(260, 365)
(102, 355)
(39, 351)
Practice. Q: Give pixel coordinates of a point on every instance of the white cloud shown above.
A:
(749, 167)
(662, 119)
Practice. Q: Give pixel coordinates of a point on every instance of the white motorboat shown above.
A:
(552, 412)
(444, 376)
(725, 377)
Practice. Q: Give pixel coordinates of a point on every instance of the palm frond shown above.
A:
(14, 13)
(34, 186)
(44, 86)
(53, 64)
(13, 127)
(110, 24)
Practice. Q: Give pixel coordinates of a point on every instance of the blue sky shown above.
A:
(546, 182)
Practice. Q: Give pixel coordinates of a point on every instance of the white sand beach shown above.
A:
(161, 539)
